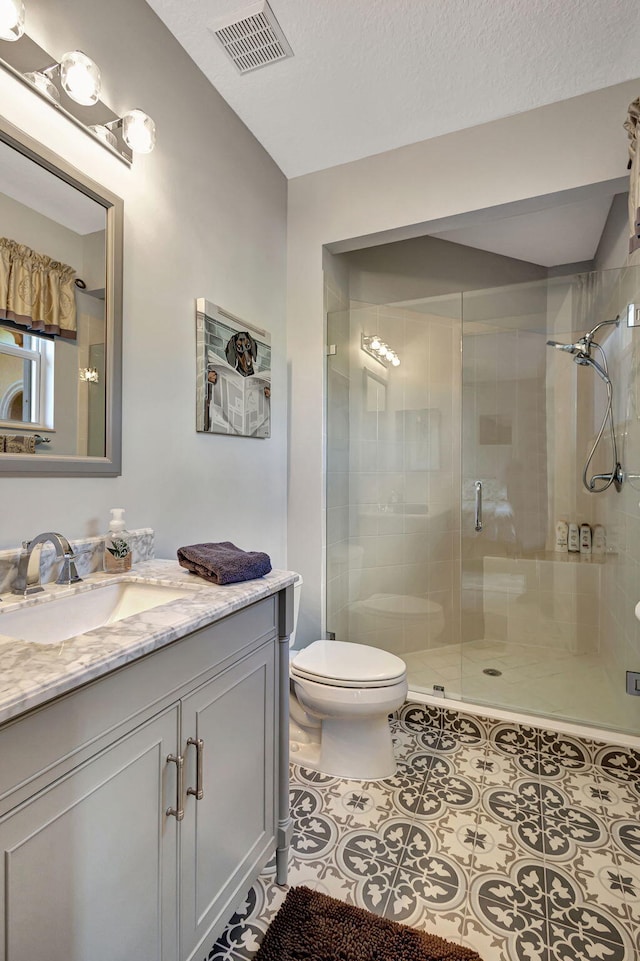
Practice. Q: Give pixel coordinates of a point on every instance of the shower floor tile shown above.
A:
(537, 680)
(515, 845)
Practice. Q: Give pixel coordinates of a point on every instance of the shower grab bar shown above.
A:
(478, 506)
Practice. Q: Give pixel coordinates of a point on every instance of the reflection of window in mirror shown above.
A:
(51, 329)
(26, 380)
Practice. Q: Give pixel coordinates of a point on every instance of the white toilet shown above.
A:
(341, 696)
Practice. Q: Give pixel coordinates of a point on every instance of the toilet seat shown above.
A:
(349, 665)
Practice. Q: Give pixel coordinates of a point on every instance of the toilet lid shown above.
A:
(348, 665)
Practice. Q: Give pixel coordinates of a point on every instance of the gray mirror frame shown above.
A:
(30, 465)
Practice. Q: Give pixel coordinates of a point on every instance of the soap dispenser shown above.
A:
(117, 548)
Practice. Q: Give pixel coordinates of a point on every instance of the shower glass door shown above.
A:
(393, 483)
(544, 631)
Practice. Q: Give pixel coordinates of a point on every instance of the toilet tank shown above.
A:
(297, 590)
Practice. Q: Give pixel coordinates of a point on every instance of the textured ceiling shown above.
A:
(371, 75)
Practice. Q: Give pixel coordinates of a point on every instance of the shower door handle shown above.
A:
(478, 506)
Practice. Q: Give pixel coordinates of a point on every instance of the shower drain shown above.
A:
(492, 672)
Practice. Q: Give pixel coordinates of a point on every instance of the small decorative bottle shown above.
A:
(117, 549)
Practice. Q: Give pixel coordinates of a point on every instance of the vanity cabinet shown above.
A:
(91, 861)
(144, 833)
(233, 718)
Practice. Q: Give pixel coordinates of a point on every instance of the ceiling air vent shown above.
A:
(252, 38)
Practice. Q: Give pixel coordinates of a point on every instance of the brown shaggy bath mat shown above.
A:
(313, 927)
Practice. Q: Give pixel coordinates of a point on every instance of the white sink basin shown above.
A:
(53, 621)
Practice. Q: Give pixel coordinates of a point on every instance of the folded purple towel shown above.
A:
(223, 563)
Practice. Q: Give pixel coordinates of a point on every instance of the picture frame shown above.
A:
(233, 374)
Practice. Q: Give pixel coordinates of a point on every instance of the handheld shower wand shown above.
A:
(581, 352)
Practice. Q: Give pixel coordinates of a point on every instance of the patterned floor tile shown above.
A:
(457, 835)
(626, 835)
(592, 937)
(519, 843)
(628, 785)
(627, 882)
(406, 743)
(416, 718)
(605, 883)
(242, 936)
(549, 905)
(589, 791)
(415, 895)
(570, 830)
(499, 770)
(497, 847)
(490, 945)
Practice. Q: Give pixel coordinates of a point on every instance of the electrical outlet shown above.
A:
(633, 682)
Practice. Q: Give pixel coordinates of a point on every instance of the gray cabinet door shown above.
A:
(91, 861)
(229, 834)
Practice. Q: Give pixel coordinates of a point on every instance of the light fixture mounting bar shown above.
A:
(26, 56)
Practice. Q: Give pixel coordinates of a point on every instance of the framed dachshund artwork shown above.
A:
(233, 376)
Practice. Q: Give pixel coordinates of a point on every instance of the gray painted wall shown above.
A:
(614, 243)
(429, 267)
(205, 216)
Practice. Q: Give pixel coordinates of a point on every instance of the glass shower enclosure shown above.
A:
(456, 441)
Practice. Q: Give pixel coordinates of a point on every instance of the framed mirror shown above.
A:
(60, 316)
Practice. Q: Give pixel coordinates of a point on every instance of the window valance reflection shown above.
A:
(36, 291)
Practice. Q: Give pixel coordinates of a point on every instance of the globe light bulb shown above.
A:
(104, 134)
(44, 84)
(11, 19)
(80, 78)
(139, 131)
(374, 343)
(396, 361)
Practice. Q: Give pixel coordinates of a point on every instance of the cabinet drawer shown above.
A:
(53, 738)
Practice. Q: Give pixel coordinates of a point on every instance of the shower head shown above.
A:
(582, 347)
(569, 348)
(586, 361)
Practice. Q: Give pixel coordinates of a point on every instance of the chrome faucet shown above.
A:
(28, 576)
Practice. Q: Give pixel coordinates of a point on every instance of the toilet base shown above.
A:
(355, 749)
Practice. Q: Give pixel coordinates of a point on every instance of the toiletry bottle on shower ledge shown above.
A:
(574, 538)
(599, 540)
(117, 547)
(562, 536)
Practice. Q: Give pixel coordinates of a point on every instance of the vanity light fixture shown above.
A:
(43, 82)
(103, 133)
(74, 79)
(138, 130)
(375, 347)
(11, 19)
(80, 77)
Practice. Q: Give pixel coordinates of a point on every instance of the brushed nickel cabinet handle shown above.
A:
(177, 812)
(198, 791)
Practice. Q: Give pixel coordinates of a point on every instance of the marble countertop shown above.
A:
(32, 673)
